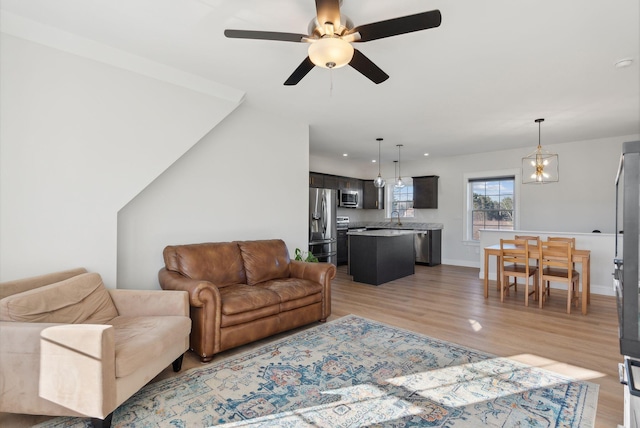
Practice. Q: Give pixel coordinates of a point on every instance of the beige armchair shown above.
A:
(71, 347)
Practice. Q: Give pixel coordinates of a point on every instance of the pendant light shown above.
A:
(379, 181)
(399, 182)
(540, 167)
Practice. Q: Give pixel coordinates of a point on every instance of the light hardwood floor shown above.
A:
(447, 302)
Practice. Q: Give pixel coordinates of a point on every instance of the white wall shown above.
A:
(583, 199)
(79, 139)
(246, 179)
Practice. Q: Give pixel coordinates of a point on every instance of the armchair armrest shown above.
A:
(77, 368)
(20, 366)
(150, 302)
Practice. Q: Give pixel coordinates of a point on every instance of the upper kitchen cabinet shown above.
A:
(348, 183)
(323, 181)
(316, 180)
(373, 197)
(331, 182)
(425, 191)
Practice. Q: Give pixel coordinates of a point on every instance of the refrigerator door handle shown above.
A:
(324, 214)
(628, 364)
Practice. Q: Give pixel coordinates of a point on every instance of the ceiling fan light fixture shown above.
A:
(330, 52)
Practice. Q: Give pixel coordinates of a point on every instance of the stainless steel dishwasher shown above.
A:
(428, 246)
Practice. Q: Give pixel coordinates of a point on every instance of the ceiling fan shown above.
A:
(331, 34)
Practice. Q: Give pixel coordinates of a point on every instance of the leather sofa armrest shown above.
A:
(206, 311)
(142, 303)
(322, 273)
(199, 291)
(86, 354)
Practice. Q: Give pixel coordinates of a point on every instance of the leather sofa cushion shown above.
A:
(264, 260)
(139, 338)
(82, 299)
(245, 298)
(219, 262)
(292, 288)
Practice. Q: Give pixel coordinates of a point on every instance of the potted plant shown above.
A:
(305, 256)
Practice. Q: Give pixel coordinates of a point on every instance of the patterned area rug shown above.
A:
(354, 372)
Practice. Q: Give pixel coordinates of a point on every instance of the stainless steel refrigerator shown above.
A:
(627, 277)
(323, 235)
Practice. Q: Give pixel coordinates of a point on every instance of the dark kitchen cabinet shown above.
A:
(425, 191)
(316, 180)
(323, 181)
(349, 184)
(331, 182)
(373, 197)
(343, 247)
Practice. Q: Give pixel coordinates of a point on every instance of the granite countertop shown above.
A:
(394, 225)
(382, 232)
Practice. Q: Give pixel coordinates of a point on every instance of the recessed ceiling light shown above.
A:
(345, 154)
(623, 63)
(426, 154)
(373, 160)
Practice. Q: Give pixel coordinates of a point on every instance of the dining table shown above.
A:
(582, 257)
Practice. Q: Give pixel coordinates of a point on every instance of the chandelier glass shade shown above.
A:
(330, 52)
(540, 166)
(399, 182)
(379, 181)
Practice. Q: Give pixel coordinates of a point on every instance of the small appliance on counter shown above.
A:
(323, 236)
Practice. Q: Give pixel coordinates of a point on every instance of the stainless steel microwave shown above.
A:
(349, 198)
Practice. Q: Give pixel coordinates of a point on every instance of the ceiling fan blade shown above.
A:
(365, 66)
(328, 11)
(264, 35)
(396, 26)
(302, 70)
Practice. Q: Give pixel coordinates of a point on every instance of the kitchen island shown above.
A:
(379, 256)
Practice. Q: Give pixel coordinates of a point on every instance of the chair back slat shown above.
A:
(514, 251)
(557, 255)
(572, 241)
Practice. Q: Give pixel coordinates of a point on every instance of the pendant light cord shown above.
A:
(331, 82)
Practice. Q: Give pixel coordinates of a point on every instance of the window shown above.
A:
(492, 204)
(400, 199)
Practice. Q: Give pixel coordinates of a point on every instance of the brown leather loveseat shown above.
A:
(243, 291)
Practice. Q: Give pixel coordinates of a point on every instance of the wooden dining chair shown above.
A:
(534, 245)
(514, 256)
(557, 266)
(572, 241)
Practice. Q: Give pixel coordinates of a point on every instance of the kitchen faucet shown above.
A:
(397, 212)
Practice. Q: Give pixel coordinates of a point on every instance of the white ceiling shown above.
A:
(474, 84)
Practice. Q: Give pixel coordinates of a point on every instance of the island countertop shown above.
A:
(381, 232)
(409, 225)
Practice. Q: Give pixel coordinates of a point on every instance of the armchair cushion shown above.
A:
(265, 260)
(82, 299)
(138, 338)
